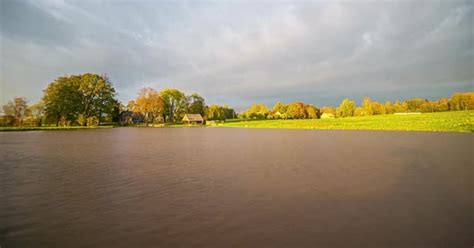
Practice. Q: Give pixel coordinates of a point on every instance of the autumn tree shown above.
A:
(149, 103)
(312, 112)
(346, 108)
(389, 109)
(279, 111)
(296, 110)
(367, 106)
(462, 101)
(415, 104)
(443, 104)
(256, 111)
(400, 107)
(378, 108)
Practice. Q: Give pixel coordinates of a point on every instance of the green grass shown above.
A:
(458, 121)
(6, 129)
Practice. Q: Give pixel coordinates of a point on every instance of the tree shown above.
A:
(97, 95)
(196, 104)
(256, 111)
(312, 111)
(175, 104)
(443, 105)
(414, 105)
(79, 98)
(296, 110)
(279, 111)
(400, 107)
(215, 112)
(149, 103)
(17, 109)
(61, 100)
(37, 113)
(367, 106)
(462, 101)
(117, 109)
(378, 108)
(346, 108)
(389, 109)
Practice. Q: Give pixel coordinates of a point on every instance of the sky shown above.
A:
(242, 52)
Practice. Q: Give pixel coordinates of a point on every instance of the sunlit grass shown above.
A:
(458, 121)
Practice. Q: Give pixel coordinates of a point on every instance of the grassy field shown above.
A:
(459, 121)
(6, 129)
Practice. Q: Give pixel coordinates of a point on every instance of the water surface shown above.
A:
(222, 187)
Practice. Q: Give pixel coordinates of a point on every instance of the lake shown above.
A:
(222, 187)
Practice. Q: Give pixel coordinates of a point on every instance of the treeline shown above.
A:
(458, 101)
(90, 99)
(299, 110)
(294, 110)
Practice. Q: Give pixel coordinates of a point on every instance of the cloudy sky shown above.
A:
(240, 52)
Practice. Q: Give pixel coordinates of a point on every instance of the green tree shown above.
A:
(116, 111)
(215, 112)
(346, 108)
(98, 96)
(196, 104)
(79, 98)
(175, 104)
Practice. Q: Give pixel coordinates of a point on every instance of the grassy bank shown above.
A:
(458, 121)
(6, 129)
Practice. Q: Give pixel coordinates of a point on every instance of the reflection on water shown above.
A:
(235, 187)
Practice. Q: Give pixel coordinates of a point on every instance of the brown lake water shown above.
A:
(229, 187)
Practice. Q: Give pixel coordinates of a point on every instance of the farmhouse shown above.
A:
(193, 119)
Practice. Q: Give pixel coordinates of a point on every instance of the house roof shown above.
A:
(193, 117)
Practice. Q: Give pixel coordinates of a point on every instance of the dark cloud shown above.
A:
(243, 52)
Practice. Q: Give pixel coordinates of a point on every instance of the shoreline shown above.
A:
(459, 121)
